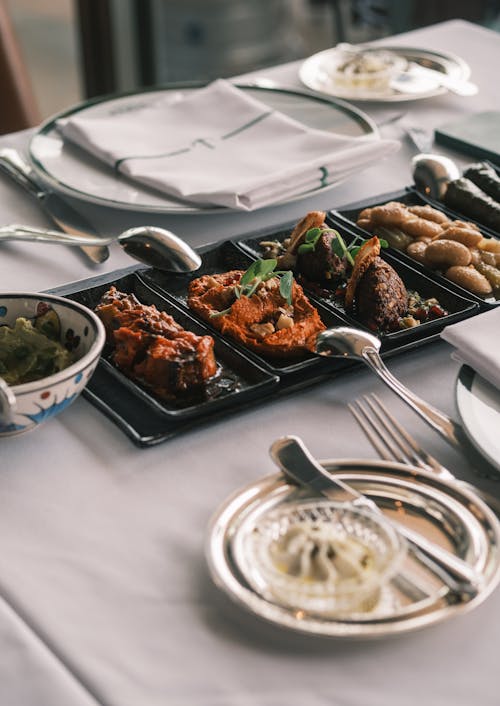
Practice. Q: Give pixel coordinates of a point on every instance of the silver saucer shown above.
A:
(314, 73)
(442, 511)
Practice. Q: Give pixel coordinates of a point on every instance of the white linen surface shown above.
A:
(220, 146)
(477, 343)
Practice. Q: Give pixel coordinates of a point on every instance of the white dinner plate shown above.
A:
(478, 404)
(315, 74)
(75, 173)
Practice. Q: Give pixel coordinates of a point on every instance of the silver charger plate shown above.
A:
(315, 75)
(442, 511)
(478, 405)
(73, 172)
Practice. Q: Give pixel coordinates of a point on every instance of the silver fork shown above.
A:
(393, 443)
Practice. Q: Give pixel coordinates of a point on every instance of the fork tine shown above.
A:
(419, 456)
(380, 442)
(404, 442)
(374, 441)
(402, 447)
(393, 450)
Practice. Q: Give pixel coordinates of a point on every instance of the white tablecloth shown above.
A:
(104, 593)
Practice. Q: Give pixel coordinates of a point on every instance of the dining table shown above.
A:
(105, 594)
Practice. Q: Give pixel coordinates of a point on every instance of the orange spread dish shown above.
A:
(266, 321)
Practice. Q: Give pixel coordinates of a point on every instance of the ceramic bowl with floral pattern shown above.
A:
(49, 348)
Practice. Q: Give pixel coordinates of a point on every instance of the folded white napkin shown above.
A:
(477, 343)
(220, 146)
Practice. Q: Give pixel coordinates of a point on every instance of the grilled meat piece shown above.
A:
(376, 290)
(152, 348)
(321, 265)
(381, 297)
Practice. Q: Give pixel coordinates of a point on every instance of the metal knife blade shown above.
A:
(63, 215)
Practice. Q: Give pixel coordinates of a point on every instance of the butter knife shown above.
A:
(298, 465)
(61, 213)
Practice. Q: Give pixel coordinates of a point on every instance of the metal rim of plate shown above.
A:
(478, 405)
(454, 66)
(444, 505)
(47, 148)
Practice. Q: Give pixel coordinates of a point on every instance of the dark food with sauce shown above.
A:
(484, 176)
(465, 196)
(150, 347)
(371, 290)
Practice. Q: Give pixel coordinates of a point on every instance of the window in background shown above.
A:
(47, 34)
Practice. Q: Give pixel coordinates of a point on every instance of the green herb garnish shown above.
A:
(340, 248)
(311, 238)
(258, 272)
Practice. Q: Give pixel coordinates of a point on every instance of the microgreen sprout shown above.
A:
(258, 272)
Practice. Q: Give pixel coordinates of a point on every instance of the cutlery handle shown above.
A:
(15, 167)
(44, 235)
(439, 421)
(12, 164)
(7, 403)
(459, 86)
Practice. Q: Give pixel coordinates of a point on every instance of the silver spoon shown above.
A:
(345, 342)
(417, 79)
(7, 403)
(432, 173)
(149, 244)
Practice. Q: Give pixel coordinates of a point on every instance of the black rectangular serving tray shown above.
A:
(347, 216)
(238, 379)
(223, 257)
(147, 421)
(453, 213)
(458, 307)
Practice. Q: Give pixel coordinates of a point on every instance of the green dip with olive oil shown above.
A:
(28, 354)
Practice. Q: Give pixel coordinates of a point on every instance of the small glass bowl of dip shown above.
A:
(365, 70)
(320, 556)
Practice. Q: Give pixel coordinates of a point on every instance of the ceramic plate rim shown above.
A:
(47, 127)
(463, 395)
(463, 72)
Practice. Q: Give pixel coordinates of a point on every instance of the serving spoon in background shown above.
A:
(151, 245)
(432, 174)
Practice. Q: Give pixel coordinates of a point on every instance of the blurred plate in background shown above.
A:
(316, 74)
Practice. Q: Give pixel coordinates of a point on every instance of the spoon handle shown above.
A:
(42, 235)
(459, 86)
(439, 421)
(7, 403)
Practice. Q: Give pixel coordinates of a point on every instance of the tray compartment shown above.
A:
(229, 256)
(458, 307)
(239, 379)
(411, 197)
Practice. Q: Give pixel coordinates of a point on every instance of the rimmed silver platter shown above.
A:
(314, 73)
(444, 512)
